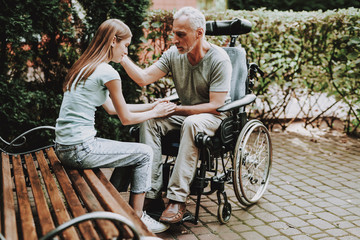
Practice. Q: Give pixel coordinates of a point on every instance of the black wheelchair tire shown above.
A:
(224, 212)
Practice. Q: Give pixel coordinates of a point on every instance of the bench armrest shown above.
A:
(91, 216)
(247, 99)
(15, 142)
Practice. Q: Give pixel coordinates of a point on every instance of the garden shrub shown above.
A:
(39, 42)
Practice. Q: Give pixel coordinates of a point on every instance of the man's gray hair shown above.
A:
(196, 18)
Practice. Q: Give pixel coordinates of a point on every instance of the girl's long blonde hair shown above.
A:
(98, 51)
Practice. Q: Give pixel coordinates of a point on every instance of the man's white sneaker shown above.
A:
(153, 225)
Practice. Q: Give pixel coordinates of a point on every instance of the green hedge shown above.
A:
(296, 5)
(302, 54)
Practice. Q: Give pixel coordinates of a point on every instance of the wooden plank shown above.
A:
(26, 217)
(86, 228)
(107, 229)
(46, 223)
(108, 201)
(124, 205)
(58, 205)
(8, 208)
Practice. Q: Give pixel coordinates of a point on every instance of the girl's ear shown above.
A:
(113, 42)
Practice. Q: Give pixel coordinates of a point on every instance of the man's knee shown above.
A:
(146, 124)
(147, 131)
(191, 121)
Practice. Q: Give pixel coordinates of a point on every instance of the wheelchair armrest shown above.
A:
(173, 97)
(134, 131)
(247, 99)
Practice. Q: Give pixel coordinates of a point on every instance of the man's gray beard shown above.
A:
(189, 50)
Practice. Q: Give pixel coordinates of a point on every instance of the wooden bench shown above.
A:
(38, 195)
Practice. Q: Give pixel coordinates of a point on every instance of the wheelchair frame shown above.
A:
(246, 143)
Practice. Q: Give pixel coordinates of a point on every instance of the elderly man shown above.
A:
(201, 73)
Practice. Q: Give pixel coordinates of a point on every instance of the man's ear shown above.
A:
(199, 32)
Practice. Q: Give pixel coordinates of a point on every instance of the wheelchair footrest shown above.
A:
(189, 217)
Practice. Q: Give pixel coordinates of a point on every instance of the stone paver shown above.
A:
(314, 193)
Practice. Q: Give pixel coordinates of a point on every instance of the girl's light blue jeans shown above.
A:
(104, 153)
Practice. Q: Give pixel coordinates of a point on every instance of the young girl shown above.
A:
(92, 82)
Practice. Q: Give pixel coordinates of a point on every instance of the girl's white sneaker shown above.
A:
(153, 225)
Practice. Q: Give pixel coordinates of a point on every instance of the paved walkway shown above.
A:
(314, 193)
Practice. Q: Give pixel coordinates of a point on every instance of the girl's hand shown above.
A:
(164, 108)
(161, 100)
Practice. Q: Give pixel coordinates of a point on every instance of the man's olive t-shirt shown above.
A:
(194, 83)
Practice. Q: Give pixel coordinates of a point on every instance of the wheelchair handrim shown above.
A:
(240, 187)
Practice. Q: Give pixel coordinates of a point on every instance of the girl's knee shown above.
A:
(147, 152)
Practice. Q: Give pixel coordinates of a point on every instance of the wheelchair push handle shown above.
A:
(253, 69)
(228, 27)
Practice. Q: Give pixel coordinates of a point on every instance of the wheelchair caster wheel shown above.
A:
(224, 212)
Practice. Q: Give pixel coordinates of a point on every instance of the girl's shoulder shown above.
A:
(105, 67)
(104, 72)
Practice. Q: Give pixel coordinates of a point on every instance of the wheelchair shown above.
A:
(240, 152)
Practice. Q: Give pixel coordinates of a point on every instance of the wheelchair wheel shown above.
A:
(224, 212)
(252, 162)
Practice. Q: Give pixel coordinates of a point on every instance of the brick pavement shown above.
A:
(314, 193)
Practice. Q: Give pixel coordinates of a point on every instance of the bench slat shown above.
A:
(8, 208)
(109, 204)
(86, 228)
(61, 214)
(124, 205)
(42, 209)
(26, 217)
(108, 229)
(108, 195)
(107, 200)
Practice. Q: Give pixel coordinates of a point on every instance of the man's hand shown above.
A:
(217, 99)
(163, 109)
